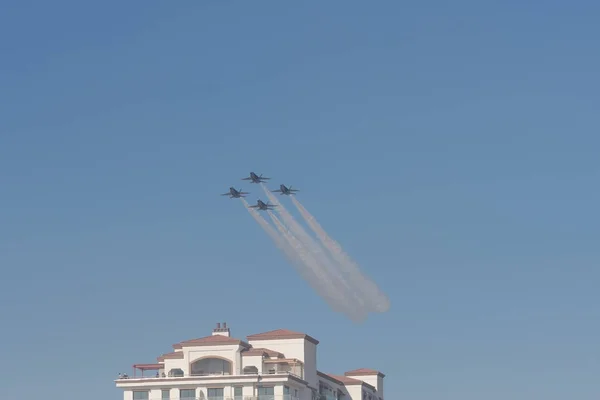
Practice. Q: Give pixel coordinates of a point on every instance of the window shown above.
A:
(211, 366)
(141, 395)
(251, 369)
(166, 394)
(215, 393)
(266, 393)
(286, 390)
(177, 372)
(237, 393)
(187, 394)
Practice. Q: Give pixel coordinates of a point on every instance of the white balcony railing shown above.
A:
(137, 377)
(260, 397)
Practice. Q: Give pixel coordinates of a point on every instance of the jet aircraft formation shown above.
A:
(320, 260)
(261, 205)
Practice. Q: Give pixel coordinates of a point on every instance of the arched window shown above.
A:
(250, 370)
(211, 366)
(176, 372)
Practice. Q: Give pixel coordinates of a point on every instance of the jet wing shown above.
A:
(226, 194)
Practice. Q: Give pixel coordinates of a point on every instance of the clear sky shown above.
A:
(450, 147)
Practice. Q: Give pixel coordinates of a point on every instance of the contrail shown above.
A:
(327, 266)
(288, 248)
(269, 230)
(319, 281)
(279, 241)
(374, 295)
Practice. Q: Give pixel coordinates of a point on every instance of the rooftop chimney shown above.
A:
(223, 331)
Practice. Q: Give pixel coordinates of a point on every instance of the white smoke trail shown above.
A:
(352, 297)
(278, 240)
(319, 281)
(379, 301)
(288, 248)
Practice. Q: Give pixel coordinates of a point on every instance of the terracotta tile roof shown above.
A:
(176, 355)
(344, 380)
(213, 340)
(147, 367)
(279, 334)
(258, 351)
(364, 372)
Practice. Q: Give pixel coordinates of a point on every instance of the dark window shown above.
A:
(215, 393)
(237, 393)
(211, 366)
(166, 394)
(187, 394)
(176, 372)
(251, 369)
(266, 393)
(141, 395)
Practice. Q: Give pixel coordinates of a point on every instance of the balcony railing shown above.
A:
(129, 377)
(260, 397)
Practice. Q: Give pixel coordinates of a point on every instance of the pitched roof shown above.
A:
(259, 351)
(213, 340)
(171, 356)
(364, 372)
(344, 380)
(148, 367)
(279, 334)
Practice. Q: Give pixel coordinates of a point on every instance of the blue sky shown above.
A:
(450, 147)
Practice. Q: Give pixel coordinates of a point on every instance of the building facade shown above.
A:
(275, 365)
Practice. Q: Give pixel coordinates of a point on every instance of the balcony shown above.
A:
(260, 397)
(284, 366)
(277, 371)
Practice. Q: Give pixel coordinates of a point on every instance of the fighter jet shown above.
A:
(235, 194)
(253, 178)
(285, 190)
(263, 206)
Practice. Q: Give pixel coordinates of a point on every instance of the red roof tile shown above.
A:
(258, 351)
(344, 380)
(171, 356)
(364, 372)
(279, 334)
(148, 367)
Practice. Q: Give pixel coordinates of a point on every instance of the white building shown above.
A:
(275, 365)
